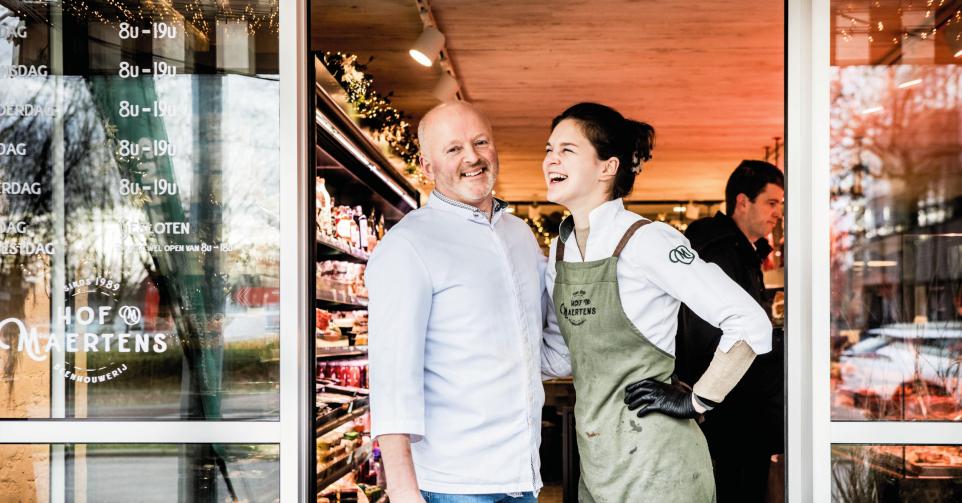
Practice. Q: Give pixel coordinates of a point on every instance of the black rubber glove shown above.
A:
(651, 395)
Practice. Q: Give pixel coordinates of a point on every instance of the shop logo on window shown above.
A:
(88, 330)
(130, 315)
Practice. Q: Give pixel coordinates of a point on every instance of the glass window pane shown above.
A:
(896, 210)
(139, 196)
(142, 472)
(896, 473)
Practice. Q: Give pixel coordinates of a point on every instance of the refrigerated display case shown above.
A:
(359, 194)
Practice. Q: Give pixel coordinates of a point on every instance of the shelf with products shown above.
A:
(330, 248)
(336, 469)
(340, 330)
(359, 194)
(346, 458)
(334, 401)
(330, 298)
(339, 452)
(325, 424)
(341, 282)
(347, 490)
(340, 352)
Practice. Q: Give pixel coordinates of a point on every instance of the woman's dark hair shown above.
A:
(613, 135)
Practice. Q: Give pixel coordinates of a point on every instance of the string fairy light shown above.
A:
(387, 123)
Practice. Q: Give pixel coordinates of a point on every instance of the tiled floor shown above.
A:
(550, 494)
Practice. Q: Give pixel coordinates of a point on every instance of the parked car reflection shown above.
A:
(905, 371)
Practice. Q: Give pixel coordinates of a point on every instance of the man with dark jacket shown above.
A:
(737, 242)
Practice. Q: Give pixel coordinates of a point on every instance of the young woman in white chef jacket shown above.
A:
(616, 282)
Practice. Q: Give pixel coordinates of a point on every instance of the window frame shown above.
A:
(811, 430)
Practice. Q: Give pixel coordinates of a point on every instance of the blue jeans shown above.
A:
(478, 498)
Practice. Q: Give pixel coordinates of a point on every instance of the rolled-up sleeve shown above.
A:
(555, 358)
(668, 260)
(400, 291)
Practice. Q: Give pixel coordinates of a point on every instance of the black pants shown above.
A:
(741, 475)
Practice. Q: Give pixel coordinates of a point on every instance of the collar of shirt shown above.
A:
(598, 221)
(441, 202)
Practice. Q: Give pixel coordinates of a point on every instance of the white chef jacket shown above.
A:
(653, 280)
(455, 323)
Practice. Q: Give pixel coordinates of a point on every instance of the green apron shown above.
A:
(624, 458)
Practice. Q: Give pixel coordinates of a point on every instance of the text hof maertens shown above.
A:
(38, 346)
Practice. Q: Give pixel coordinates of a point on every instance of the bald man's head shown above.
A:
(458, 152)
(446, 109)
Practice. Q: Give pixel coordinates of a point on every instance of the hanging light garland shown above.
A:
(387, 123)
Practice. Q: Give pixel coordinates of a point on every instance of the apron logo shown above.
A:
(681, 254)
(578, 308)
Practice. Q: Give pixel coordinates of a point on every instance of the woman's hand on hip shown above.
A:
(651, 395)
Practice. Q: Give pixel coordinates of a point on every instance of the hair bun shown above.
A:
(643, 136)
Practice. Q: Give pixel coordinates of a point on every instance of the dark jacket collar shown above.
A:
(707, 231)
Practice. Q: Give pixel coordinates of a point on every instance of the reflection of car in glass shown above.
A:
(904, 361)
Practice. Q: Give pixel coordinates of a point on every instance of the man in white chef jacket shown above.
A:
(455, 330)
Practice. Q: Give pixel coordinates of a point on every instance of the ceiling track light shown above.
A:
(428, 46)
(446, 89)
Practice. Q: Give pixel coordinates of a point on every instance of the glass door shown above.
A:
(140, 229)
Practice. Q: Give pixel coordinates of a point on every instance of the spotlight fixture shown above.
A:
(428, 46)
(446, 89)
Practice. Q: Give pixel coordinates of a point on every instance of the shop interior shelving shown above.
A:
(342, 352)
(338, 300)
(325, 424)
(339, 467)
(356, 173)
(332, 249)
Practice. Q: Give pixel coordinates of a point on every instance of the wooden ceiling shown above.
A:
(707, 75)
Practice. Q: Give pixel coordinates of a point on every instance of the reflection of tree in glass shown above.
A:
(192, 283)
(853, 480)
(189, 281)
(88, 175)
